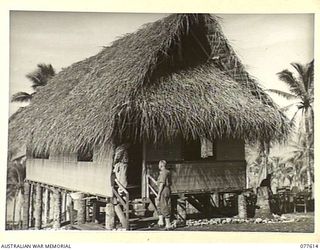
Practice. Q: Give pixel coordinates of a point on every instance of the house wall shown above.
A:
(204, 176)
(223, 150)
(168, 151)
(225, 170)
(64, 171)
(228, 149)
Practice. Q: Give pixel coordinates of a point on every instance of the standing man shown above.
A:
(121, 160)
(163, 199)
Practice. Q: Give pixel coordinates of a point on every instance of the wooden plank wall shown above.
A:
(223, 150)
(168, 151)
(64, 171)
(202, 176)
(228, 149)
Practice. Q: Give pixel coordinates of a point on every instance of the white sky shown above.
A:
(265, 43)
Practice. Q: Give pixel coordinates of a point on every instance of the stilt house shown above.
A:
(174, 90)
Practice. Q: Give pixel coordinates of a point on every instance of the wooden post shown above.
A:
(68, 201)
(81, 205)
(221, 200)
(38, 207)
(87, 210)
(144, 169)
(242, 206)
(56, 209)
(109, 214)
(64, 206)
(182, 209)
(26, 206)
(121, 216)
(31, 205)
(71, 211)
(94, 211)
(47, 207)
(215, 199)
(174, 205)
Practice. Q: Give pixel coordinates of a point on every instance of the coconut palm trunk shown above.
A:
(307, 138)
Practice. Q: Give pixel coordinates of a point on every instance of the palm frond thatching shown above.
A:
(178, 75)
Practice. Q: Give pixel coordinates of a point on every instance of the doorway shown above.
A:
(135, 169)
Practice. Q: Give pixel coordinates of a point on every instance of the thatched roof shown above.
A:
(178, 75)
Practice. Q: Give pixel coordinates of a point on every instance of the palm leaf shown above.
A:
(310, 78)
(301, 70)
(284, 94)
(295, 87)
(286, 108)
(292, 121)
(41, 75)
(21, 97)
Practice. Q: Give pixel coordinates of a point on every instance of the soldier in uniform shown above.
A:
(163, 199)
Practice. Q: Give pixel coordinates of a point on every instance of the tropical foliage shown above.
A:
(38, 78)
(16, 174)
(301, 90)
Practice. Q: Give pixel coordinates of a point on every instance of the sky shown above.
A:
(265, 43)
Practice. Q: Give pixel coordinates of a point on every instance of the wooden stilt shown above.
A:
(31, 206)
(68, 201)
(109, 214)
(56, 209)
(51, 205)
(46, 207)
(121, 216)
(26, 206)
(242, 206)
(71, 211)
(88, 207)
(81, 204)
(94, 211)
(144, 170)
(215, 199)
(174, 205)
(38, 207)
(182, 209)
(63, 207)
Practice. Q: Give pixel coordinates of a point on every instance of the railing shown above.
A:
(123, 202)
(150, 180)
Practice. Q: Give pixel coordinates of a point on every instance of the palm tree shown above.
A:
(16, 174)
(254, 163)
(301, 89)
(257, 157)
(296, 159)
(282, 170)
(39, 78)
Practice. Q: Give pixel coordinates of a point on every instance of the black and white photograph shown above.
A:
(167, 122)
